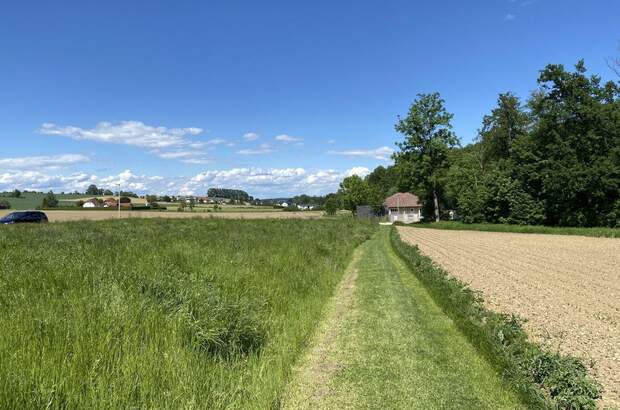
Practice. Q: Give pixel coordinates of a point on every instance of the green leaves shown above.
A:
(428, 139)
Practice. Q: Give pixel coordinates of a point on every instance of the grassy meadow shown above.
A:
(32, 200)
(163, 313)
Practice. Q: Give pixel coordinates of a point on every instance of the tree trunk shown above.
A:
(436, 201)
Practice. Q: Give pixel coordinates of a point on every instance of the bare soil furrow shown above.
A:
(566, 287)
(526, 269)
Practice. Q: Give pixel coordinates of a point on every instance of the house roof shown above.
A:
(403, 199)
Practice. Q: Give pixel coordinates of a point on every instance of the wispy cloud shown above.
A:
(509, 17)
(185, 156)
(126, 132)
(262, 149)
(43, 161)
(251, 136)
(166, 143)
(331, 142)
(288, 138)
(176, 154)
(207, 143)
(381, 153)
(197, 161)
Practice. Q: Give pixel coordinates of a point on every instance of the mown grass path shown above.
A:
(386, 344)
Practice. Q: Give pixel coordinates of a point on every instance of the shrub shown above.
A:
(331, 206)
(499, 199)
(4, 204)
(49, 201)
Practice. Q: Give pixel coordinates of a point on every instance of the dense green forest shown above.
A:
(553, 160)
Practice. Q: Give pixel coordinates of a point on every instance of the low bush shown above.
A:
(544, 379)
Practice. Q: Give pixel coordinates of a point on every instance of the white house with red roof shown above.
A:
(403, 207)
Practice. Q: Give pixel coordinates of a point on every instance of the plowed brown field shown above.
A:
(567, 287)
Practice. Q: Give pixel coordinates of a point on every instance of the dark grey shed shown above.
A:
(364, 211)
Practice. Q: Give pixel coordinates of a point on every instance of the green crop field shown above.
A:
(32, 200)
(163, 313)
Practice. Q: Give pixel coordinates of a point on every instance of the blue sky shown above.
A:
(275, 97)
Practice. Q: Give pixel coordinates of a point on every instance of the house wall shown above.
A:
(405, 215)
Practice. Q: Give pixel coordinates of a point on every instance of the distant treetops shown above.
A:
(236, 194)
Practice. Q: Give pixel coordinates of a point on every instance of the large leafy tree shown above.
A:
(507, 122)
(428, 138)
(573, 155)
(354, 191)
(93, 190)
(383, 181)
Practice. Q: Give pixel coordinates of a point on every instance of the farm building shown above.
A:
(403, 207)
(365, 211)
(92, 203)
(110, 203)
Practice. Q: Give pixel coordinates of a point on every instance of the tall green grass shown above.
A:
(162, 313)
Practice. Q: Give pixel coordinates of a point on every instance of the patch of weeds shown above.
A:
(213, 323)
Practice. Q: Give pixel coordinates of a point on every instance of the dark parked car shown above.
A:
(24, 217)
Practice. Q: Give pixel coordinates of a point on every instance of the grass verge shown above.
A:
(544, 379)
(460, 226)
(154, 313)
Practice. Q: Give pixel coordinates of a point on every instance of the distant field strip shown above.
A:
(63, 216)
(567, 287)
(385, 344)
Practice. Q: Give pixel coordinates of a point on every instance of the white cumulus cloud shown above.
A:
(260, 182)
(359, 171)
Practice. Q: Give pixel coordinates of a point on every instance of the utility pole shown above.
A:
(119, 200)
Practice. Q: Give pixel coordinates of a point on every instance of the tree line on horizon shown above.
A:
(553, 160)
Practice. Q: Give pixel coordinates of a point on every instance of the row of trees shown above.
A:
(554, 160)
(235, 194)
(95, 191)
